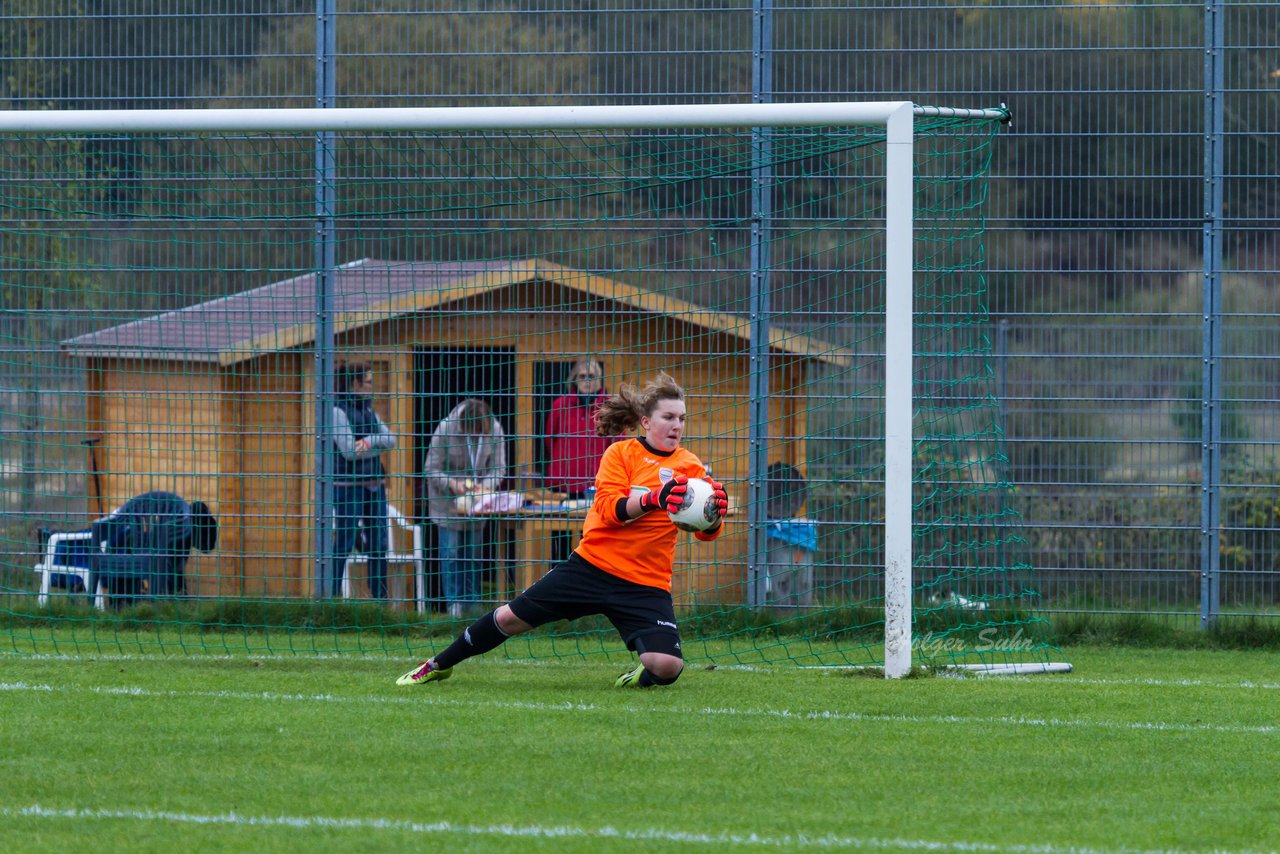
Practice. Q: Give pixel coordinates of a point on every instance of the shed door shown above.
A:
(442, 377)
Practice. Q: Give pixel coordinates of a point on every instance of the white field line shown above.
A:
(1152, 681)
(397, 656)
(719, 840)
(425, 697)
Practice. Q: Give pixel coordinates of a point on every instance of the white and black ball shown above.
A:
(699, 511)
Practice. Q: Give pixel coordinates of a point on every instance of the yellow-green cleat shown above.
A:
(630, 679)
(425, 672)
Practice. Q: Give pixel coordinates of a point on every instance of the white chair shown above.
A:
(67, 555)
(413, 555)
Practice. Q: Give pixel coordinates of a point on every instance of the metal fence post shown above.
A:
(1212, 392)
(758, 375)
(325, 262)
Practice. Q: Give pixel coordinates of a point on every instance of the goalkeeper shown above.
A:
(622, 566)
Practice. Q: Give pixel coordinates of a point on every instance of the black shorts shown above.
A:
(644, 616)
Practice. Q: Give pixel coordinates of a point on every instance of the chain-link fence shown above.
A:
(1131, 247)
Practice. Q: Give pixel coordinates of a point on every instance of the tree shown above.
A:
(43, 192)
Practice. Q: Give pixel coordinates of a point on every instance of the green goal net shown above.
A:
(186, 318)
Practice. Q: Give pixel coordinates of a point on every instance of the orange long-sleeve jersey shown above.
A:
(640, 550)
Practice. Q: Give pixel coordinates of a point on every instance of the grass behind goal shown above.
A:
(174, 326)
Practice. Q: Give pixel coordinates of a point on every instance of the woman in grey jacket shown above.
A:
(467, 457)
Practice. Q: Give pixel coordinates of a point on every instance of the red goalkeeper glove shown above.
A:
(721, 497)
(669, 498)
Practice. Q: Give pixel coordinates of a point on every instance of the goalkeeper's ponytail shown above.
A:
(622, 411)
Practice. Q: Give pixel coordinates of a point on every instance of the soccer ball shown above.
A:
(699, 510)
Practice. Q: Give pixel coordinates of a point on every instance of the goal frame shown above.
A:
(897, 117)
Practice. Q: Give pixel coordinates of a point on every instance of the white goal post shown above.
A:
(896, 116)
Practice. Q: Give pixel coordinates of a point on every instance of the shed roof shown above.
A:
(281, 315)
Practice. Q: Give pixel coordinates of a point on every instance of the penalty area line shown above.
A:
(720, 840)
(1062, 679)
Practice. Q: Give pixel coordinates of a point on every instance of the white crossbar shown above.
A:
(453, 118)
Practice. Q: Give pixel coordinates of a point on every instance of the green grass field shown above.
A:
(1137, 749)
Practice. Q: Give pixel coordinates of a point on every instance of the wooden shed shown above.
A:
(216, 401)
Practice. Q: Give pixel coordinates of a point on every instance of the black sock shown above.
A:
(479, 637)
(647, 679)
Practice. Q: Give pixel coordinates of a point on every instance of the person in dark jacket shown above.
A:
(359, 478)
(147, 540)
